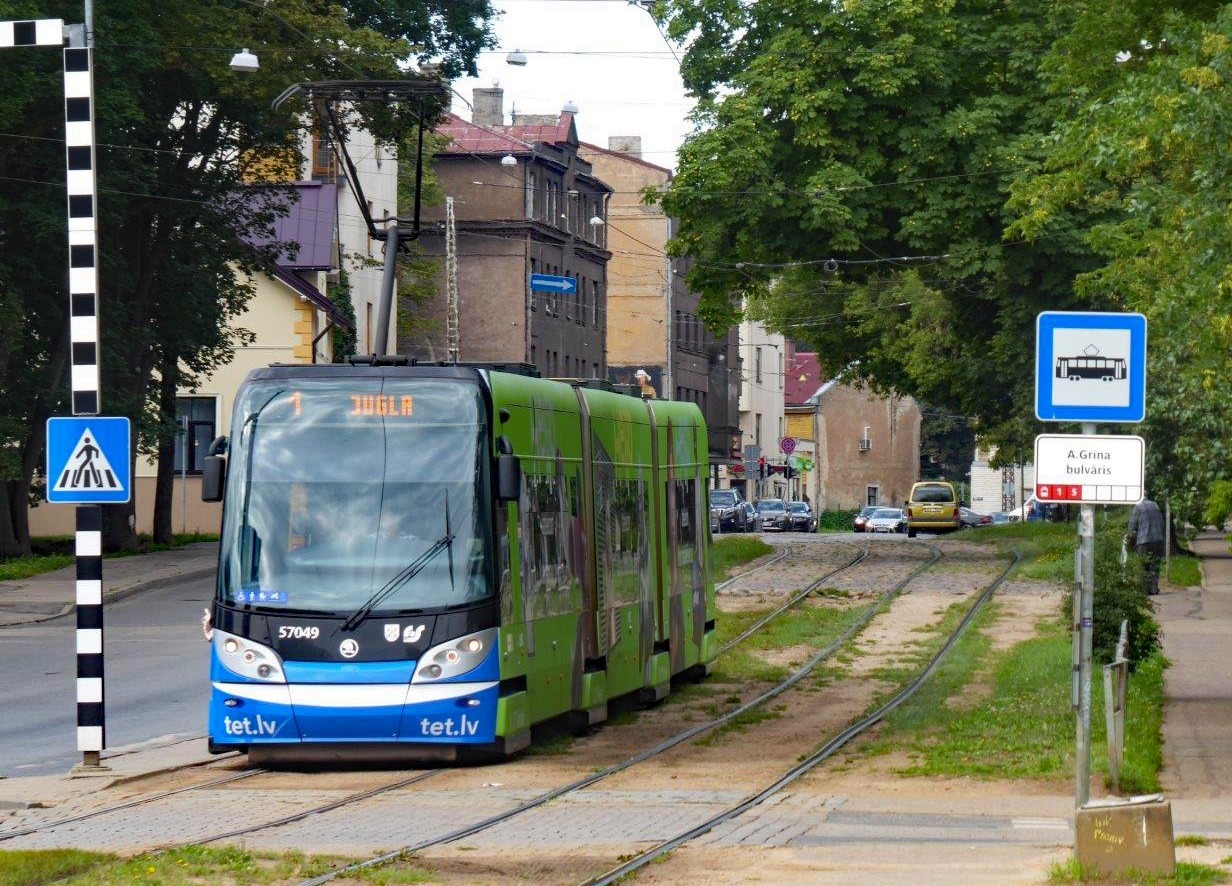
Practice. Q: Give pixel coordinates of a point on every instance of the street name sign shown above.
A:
(1099, 469)
(1090, 367)
(88, 460)
(553, 283)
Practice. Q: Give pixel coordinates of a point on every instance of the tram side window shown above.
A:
(552, 567)
(685, 525)
(629, 542)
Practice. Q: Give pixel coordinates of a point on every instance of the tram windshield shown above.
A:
(336, 486)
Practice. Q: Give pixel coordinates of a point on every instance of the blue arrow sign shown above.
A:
(1090, 367)
(88, 461)
(552, 283)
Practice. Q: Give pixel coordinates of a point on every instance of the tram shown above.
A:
(1079, 368)
(432, 559)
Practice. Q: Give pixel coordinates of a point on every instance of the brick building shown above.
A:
(525, 203)
(652, 316)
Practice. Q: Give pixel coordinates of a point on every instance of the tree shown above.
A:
(847, 181)
(178, 134)
(1138, 162)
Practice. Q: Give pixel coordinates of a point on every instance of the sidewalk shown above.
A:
(52, 594)
(1197, 626)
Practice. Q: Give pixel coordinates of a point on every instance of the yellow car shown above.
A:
(933, 507)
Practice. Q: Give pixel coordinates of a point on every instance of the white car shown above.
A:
(887, 520)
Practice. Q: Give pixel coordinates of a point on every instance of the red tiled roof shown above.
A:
(472, 138)
(803, 378)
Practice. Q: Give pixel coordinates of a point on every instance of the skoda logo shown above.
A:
(349, 648)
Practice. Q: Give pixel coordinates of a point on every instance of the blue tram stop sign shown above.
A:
(1090, 367)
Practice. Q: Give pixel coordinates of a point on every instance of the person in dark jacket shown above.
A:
(1145, 537)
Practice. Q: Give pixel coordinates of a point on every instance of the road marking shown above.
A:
(1042, 824)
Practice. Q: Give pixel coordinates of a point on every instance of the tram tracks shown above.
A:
(803, 671)
(649, 753)
(819, 756)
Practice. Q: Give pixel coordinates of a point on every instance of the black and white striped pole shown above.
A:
(83, 335)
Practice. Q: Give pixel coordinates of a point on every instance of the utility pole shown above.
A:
(453, 343)
(1085, 610)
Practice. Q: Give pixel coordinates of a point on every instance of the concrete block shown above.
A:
(1118, 835)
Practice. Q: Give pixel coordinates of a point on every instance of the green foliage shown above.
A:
(1120, 596)
(836, 521)
(343, 340)
(179, 135)
(1218, 504)
(862, 133)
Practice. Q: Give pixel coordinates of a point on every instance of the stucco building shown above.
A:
(525, 203)
(763, 356)
(652, 316)
(854, 448)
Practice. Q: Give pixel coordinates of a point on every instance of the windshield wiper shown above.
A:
(408, 572)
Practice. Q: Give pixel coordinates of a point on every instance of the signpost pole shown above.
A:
(1086, 614)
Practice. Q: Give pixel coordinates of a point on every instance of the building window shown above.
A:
(782, 372)
(872, 495)
(324, 164)
(368, 327)
(532, 182)
(757, 429)
(196, 417)
(757, 374)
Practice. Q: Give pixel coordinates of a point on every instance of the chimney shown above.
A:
(489, 107)
(626, 144)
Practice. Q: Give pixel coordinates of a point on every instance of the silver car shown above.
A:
(887, 520)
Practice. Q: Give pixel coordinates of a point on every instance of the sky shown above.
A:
(606, 56)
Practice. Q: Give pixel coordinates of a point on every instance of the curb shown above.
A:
(118, 594)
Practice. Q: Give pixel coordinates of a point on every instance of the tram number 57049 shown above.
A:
(298, 632)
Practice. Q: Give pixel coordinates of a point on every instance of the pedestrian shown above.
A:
(1145, 537)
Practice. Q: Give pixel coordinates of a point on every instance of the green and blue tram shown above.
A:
(432, 559)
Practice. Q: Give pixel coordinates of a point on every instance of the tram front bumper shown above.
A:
(244, 714)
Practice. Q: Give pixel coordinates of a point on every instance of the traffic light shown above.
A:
(761, 468)
(789, 471)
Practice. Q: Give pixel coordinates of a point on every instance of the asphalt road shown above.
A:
(156, 679)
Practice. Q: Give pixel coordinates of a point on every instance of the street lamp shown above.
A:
(509, 160)
(245, 61)
(517, 58)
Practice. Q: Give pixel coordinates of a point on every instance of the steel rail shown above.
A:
(328, 807)
(792, 601)
(535, 802)
(816, 758)
(780, 556)
(129, 804)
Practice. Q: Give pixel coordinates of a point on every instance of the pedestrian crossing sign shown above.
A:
(88, 460)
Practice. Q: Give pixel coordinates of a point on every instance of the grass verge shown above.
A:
(1022, 725)
(56, 552)
(1187, 874)
(1047, 549)
(731, 551)
(1183, 570)
(189, 866)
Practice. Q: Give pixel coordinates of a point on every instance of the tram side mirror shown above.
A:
(214, 471)
(508, 478)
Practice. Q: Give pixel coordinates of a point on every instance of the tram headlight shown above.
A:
(455, 657)
(248, 658)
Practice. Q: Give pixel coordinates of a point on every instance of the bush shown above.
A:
(1119, 596)
(836, 520)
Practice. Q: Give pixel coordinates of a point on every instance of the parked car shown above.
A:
(727, 504)
(970, 519)
(933, 507)
(887, 520)
(1002, 517)
(802, 519)
(861, 520)
(752, 518)
(774, 514)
